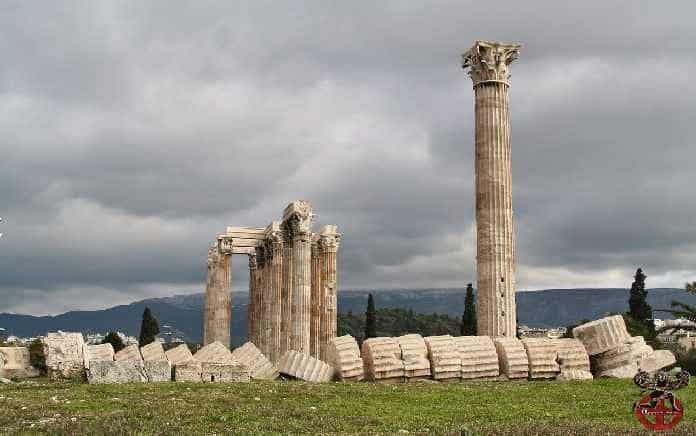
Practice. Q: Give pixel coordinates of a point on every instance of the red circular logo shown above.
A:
(659, 411)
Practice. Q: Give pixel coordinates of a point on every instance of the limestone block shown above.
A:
(234, 372)
(64, 355)
(445, 363)
(478, 356)
(260, 368)
(343, 355)
(414, 353)
(153, 351)
(572, 355)
(129, 353)
(158, 370)
(125, 371)
(541, 355)
(305, 367)
(16, 363)
(512, 357)
(98, 353)
(214, 352)
(639, 349)
(626, 371)
(179, 354)
(189, 371)
(382, 360)
(602, 335)
(657, 360)
(574, 374)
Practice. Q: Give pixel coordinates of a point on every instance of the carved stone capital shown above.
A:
(490, 61)
(297, 219)
(213, 256)
(253, 264)
(225, 245)
(329, 242)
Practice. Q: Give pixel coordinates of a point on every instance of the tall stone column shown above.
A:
(218, 298)
(263, 313)
(488, 64)
(315, 321)
(275, 250)
(253, 299)
(329, 240)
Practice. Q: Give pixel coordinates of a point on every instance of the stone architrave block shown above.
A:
(124, 371)
(179, 354)
(445, 363)
(573, 360)
(414, 354)
(305, 367)
(541, 355)
(512, 357)
(64, 355)
(189, 371)
(15, 362)
(153, 351)
(657, 360)
(129, 353)
(158, 370)
(343, 355)
(214, 352)
(382, 360)
(100, 353)
(478, 356)
(225, 372)
(602, 334)
(259, 366)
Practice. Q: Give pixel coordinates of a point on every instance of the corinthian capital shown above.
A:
(297, 218)
(329, 238)
(490, 61)
(213, 255)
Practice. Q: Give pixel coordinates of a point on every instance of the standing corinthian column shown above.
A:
(488, 64)
(286, 296)
(315, 321)
(329, 240)
(275, 272)
(252, 329)
(218, 298)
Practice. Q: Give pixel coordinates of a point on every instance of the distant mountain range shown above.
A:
(184, 313)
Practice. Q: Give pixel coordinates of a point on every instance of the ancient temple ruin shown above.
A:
(292, 284)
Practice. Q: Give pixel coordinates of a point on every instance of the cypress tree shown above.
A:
(149, 328)
(370, 318)
(468, 327)
(638, 307)
(115, 340)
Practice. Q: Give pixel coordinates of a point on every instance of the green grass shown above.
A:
(587, 407)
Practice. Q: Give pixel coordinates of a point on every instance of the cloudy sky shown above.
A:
(132, 133)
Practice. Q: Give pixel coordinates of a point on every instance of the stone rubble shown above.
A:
(305, 367)
(414, 353)
(260, 368)
(98, 353)
(118, 372)
(64, 355)
(445, 363)
(343, 355)
(541, 355)
(130, 353)
(214, 352)
(15, 362)
(158, 370)
(234, 372)
(512, 358)
(382, 360)
(602, 335)
(479, 359)
(189, 371)
(153, 351)
(178, 354)
(657, 360)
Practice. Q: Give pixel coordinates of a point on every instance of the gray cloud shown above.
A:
(131, 134)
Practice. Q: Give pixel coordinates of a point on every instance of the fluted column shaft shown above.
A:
(218, 298)
(286, 298)
(275, 268)
(316, 303)
(253, 300)
(328, 247)
(301, 292)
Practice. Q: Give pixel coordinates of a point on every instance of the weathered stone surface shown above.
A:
(125, 371)
(329, 241)
(129, 353)
(215, 352)
(573, 360)
(639, 349)
(414, 354)
(343, 355)
(189, 371)
(626, 371)
(512, 357)
(627, 353)
(218, 298)
(443, 353)
(98, 353)
(305, 367)
(234, 372)
(541, 355)
(260, 368)
(574, 374)
(158, 370)
(16, 363)
(657, 360)
(153, 351)
(179, 354)
(478, 357)
(382, 360)
(602, 334)
(64, 355)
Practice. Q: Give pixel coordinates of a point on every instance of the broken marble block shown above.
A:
(234, 372)
(130, 353)
(64, 355)
(15, 363)
(573, 360)
(445, 363)
(153, 351)
(259, 366)
(625, 371)
(574, 374)
(214, 352)
(305, 367)
(658, 360)
(343, 355)
(414, 354)
(382, 360)
(541, 355)
(478, 356)
(189, 371)
(125, 371)
(98, 353)
(602, 334)
(178, 354)
(512, 357)
(158, 370)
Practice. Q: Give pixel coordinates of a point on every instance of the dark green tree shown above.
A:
(115, 340)
(469, 316)
(638, 307)
(37, 356)
(370, 318)
(149, 328)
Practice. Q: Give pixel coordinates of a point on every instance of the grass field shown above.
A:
(588, 407)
